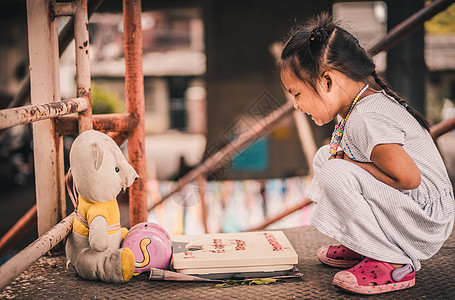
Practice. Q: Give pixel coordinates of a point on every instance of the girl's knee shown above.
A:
(332, 169)
(321, 157)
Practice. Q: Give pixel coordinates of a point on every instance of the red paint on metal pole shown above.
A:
(45, 86)
(104, 123)
(118, 137)
(64, 39)
(24, 259)
(22, 227)
(134, 84)
(83, 63)
(409, 25)
(289, 211)
(32, 113)
(228, 152)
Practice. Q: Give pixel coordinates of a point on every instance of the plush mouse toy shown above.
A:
(100, 172)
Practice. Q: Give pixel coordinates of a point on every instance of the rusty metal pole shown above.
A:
(24, 259)
(64, 39)
(134, 83)
(280, 216)
(409, 25)
(66, 36)
(31, 113)
(24, 225)
(64, 9)
(48, 146)
(106, 123)
(83, 63)
(231, 150)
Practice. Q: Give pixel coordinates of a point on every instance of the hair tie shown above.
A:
(319, 35)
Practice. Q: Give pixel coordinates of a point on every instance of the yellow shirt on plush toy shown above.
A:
(88, 210)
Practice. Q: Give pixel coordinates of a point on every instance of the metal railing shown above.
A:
(32, 113)
(48, 151)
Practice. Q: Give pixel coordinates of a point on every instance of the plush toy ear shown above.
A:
(97, 154)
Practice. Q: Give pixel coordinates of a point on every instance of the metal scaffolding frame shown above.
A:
(47, 107)
(50, 111)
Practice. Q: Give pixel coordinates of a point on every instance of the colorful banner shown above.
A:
(230, 206)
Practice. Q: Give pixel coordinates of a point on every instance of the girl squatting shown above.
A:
(381, 187)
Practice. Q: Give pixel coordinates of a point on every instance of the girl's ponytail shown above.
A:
(421, 119)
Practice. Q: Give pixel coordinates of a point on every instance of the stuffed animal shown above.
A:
(100, 172)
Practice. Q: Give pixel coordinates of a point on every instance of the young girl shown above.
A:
(381, 187)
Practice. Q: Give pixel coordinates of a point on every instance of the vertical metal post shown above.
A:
(45, 87)
(134, 83)
(406, 67)
(83, 63)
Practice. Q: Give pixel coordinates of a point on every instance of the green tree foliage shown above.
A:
(105, 101)
(442, 23)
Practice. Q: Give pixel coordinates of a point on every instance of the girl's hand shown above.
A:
(339, 155)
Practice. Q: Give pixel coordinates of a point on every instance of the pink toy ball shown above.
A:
(151, 246)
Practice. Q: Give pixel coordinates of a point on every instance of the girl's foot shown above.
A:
(338, 256)
(374, 277)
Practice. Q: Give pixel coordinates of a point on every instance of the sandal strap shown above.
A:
(399, 273)
(342, 252)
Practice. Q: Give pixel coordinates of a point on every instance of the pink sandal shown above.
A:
(374, 277)
(339, 256)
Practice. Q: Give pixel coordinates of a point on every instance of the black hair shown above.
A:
(320, 45)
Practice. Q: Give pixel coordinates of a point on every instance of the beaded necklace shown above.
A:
(339, 129)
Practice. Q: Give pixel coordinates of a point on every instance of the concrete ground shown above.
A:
(49, 279)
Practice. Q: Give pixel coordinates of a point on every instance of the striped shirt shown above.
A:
(379, 119)
(369, 216)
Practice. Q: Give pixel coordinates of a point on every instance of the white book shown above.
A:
(245, 253)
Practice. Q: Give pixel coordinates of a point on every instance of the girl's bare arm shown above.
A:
(392, 165)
